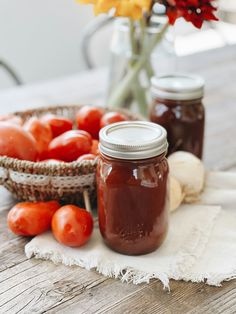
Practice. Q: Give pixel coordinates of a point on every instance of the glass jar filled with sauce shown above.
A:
(177, 106)
(132, 184)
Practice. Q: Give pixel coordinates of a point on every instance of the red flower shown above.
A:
(194, 11)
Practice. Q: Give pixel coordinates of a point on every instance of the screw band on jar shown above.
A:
(177, 87)
(133, 140)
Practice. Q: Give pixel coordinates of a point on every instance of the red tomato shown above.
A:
(16, 142)
(87, 157)
(42, 134)
(58, 125)
(88, 119)
(86, 134)
(112, 117)
(72, 225)
(10, 118)
(94, 148)
(29, 219)
(70, 145)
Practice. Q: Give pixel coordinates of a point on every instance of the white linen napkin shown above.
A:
(201, 243)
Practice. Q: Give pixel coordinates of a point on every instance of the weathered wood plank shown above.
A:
(35, 286)
(148, 299)
(83, 88)
(222, 302)
(220, 144)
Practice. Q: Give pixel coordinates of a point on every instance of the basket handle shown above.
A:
(3, 175)
(87, 202)
(88, 206)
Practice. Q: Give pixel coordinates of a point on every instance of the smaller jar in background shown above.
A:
(132, 185)
(177, 106)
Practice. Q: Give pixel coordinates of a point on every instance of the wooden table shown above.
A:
(35, 286)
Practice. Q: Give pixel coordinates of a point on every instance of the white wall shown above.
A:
(40, 38)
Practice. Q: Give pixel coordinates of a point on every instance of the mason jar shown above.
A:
(132, 185)
(177, 105)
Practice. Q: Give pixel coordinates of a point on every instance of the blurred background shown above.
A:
(41, 40)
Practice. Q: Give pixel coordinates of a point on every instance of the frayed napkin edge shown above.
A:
(130, 275)
(110, 270)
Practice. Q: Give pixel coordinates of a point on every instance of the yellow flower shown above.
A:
(125, 8)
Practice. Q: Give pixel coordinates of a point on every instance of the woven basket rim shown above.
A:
(40, 166)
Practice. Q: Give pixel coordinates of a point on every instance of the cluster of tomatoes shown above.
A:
(52, 139)
(70, 225)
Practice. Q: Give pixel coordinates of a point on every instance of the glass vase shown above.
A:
(124, 56)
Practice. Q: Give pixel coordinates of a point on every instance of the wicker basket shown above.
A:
(34, 181)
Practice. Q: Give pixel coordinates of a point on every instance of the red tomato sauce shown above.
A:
(184, 123)
(133, 203)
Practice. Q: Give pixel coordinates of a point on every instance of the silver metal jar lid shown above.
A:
(133, 140)
(177, 87)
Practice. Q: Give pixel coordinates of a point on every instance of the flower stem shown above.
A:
(139, 93)
(149, 69)
(122, 90)
(133, 43)
(136, 88)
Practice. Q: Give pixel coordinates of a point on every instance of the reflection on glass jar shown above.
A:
(133, 193)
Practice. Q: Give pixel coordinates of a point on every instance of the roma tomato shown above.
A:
(17, 143)
(72, 225)
(112, 117)
(86, 134)
(87, 157)
(42, 134)
(88, 119)
(70, 145)
(30, 219)
(94, 148)
(10, 118)
(58, 125)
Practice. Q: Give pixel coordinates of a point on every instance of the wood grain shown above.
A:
(35, 286)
